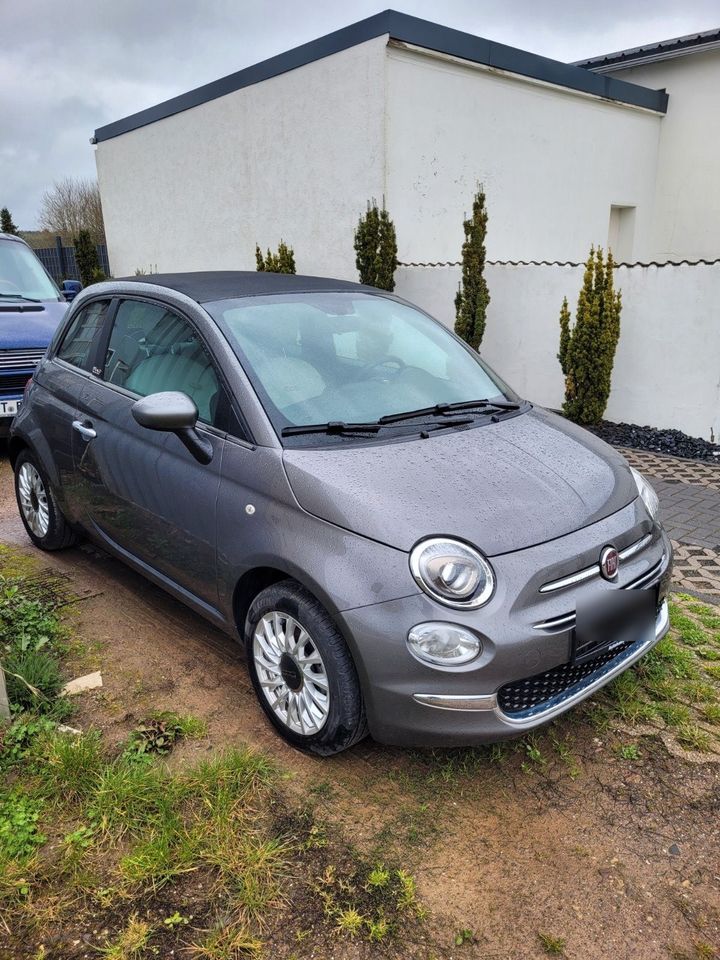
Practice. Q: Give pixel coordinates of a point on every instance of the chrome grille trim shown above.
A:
(565, 621)
(645, 578)
(594, 571)
(20, 359)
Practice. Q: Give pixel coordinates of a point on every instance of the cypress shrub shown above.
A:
(281, 262)
(376, 248)
(86, 257)
(473, 297)
(6, 222)
(587, 349)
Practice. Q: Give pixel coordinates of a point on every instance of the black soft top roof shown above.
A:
(210, 285)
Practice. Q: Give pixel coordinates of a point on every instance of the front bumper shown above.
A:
(526, 636)
(569, 697)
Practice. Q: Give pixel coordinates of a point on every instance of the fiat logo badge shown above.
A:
(609, 563)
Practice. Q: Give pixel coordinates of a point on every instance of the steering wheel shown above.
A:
(365, 370)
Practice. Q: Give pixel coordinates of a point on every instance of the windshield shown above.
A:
(350, 357)
(22, 276)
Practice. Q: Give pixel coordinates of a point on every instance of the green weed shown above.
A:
(553, 946)
(19, 834)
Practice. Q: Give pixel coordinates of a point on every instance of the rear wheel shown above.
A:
(302, 671)
(39, 512)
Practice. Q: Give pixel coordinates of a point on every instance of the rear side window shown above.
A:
(152, 349)
(77, 344)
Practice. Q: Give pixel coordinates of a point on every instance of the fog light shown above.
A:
(443, 643)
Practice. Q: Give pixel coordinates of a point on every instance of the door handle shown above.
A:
(87, 433)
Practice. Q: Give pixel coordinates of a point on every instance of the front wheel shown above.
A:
(302, 671)
(39, 512)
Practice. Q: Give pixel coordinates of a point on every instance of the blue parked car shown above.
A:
(31, 306)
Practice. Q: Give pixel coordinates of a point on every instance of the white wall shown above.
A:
(686, 224)
(667, 368)
(296, 157)
(552, 161)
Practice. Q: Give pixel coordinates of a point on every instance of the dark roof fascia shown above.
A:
(406, 29)
(665, 49)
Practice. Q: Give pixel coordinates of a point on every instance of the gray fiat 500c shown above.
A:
(404, 546)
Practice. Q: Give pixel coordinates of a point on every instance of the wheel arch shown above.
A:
(263, 575)
(15, 446)
(249, 586)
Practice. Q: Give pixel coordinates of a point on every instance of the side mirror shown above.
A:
(173, 412)
(70, 289)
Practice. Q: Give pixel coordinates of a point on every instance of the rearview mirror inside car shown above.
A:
(174, 412)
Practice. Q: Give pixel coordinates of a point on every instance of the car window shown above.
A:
(76, 346)
(350, 357)
(152, 349)
(22, 274)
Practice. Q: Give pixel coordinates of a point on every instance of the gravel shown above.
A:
(673, 442)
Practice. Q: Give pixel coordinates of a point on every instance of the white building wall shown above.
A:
(686, 222)
(295, 157)
(552, 161)
(667, 367)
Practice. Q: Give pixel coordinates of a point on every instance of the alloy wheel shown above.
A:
(33, 499)
(291, 673)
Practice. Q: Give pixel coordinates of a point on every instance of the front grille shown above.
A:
(13, 382)
(566, 621)
(587, 573)
(20, 359)
(523, 697)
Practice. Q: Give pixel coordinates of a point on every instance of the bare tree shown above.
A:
(72, 205)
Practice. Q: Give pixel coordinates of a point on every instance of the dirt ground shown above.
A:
(560, 836)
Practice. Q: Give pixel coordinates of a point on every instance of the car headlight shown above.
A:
(648, 495)
(452, 572)
(443, 644)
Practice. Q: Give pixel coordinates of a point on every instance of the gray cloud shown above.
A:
(69, 67)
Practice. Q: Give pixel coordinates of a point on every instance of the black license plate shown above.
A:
(612, 621)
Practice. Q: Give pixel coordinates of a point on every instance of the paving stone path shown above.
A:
(689, 493)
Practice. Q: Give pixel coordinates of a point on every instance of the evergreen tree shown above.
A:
(587, 350)
(376, 248)
(6, 222)
(473, 297)
(86, 258)
(281, 262)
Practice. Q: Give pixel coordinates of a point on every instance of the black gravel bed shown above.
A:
(675, 443)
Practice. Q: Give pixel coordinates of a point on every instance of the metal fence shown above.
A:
(60, 263)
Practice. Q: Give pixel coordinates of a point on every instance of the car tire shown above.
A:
(302, 671)
(41, 516)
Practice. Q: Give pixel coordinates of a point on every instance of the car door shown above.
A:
(144, 494)
(57, 384)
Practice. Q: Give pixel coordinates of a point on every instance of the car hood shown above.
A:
(26, 325)
(501, 486)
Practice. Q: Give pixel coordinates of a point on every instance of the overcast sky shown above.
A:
(69, 66)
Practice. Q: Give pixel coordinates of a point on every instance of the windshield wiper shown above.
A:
(18, 296)
(344, 429)
(442, 408)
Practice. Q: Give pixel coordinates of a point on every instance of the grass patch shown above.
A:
(141, 860)
(368, 901)
(677, 683)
